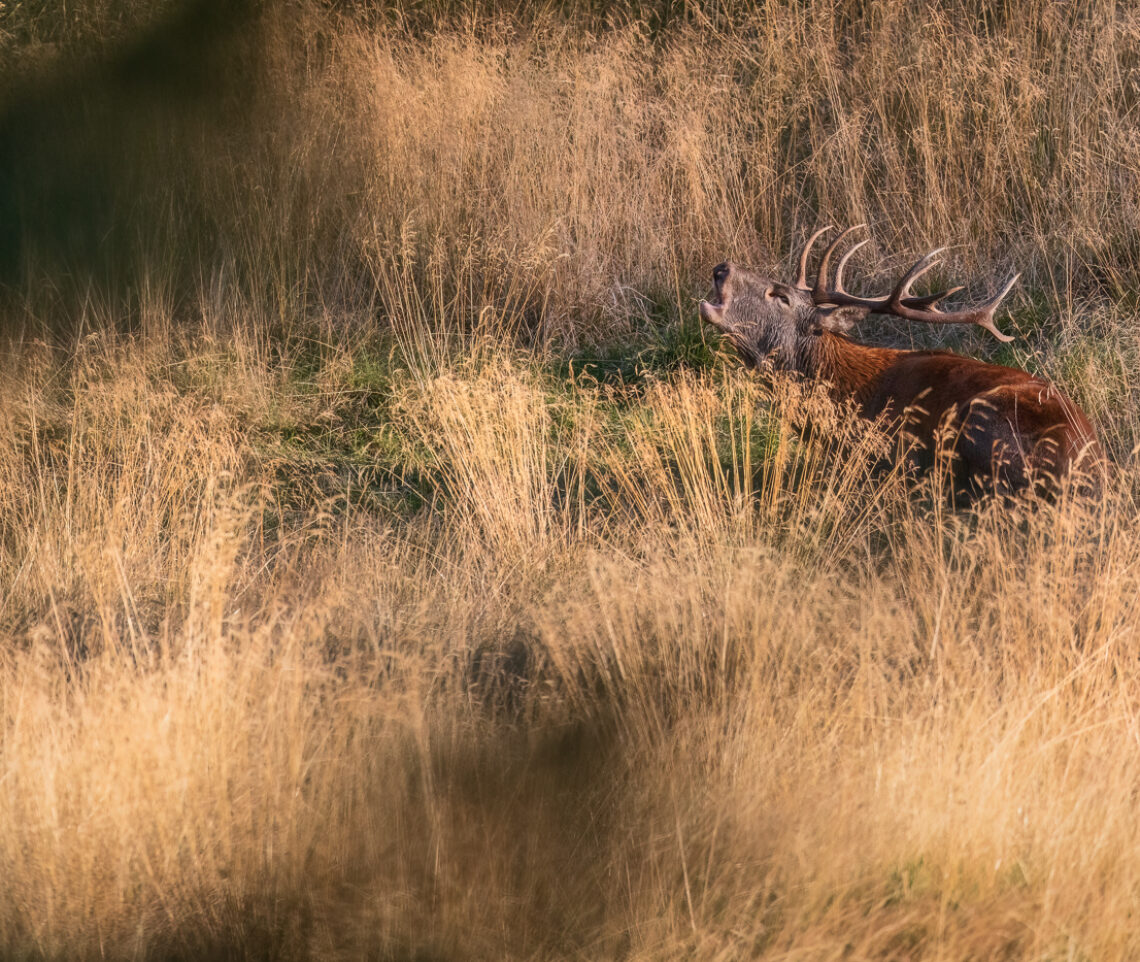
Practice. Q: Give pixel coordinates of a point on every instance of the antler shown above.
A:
(900, 302)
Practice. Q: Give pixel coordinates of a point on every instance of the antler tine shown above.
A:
(920, 267)
(990, 306)
(801, 281)
(820, 289)
(994, 301)
(931, 300)
(842, 264)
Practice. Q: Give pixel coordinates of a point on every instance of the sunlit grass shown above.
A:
(393, 569)
(647, 673)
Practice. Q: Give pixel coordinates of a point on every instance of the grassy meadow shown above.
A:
(392, 568)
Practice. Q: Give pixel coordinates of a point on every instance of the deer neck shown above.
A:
(852, 369)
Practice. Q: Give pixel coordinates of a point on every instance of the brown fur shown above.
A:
(1008, 428)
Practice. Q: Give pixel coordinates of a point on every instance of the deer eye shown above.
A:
(774, 293)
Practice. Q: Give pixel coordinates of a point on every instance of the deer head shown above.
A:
(763, 318)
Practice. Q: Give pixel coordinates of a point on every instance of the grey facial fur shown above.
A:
(762, 318)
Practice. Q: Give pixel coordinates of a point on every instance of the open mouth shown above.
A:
(713, 314)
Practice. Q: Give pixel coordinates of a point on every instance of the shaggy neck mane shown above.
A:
(850, 367)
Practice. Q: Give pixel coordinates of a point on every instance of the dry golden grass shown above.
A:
(578, 180)
(340, 619)
(654, 674)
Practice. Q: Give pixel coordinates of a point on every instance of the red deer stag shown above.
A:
(1009, 430)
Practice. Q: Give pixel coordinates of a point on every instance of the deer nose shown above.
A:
(721, 272)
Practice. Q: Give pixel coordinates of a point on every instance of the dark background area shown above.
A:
(97, 148)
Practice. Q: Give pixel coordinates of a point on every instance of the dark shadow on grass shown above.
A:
(95, 156)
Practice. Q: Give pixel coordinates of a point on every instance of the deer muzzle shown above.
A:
(713, 314)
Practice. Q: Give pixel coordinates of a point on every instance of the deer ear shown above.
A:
(838, 320)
